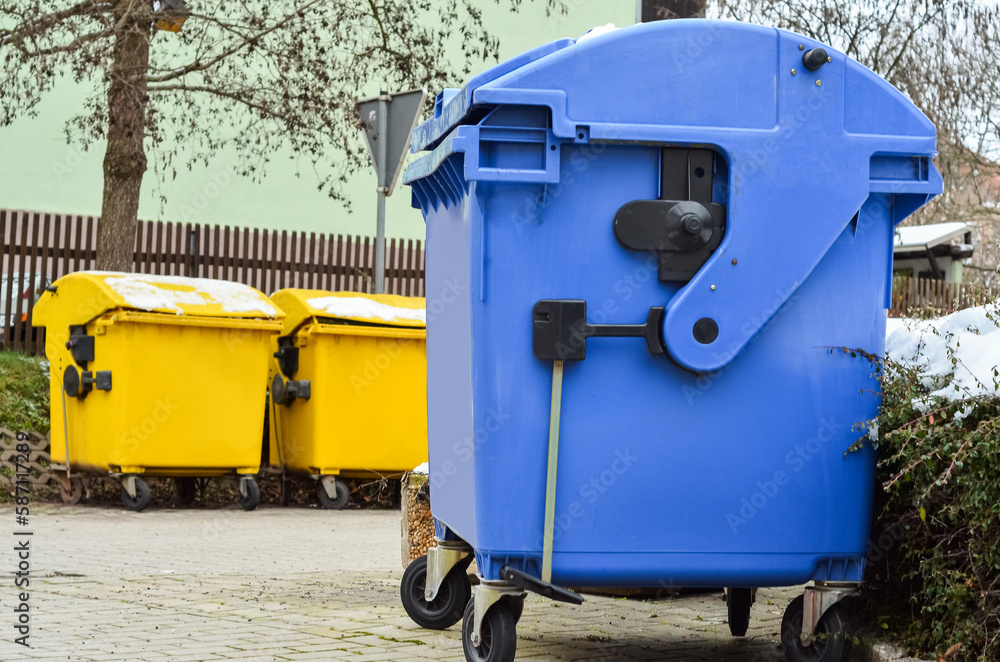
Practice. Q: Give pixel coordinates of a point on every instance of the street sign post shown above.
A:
(388, 121)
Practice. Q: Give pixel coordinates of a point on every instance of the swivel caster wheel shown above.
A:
(334, 503)
(249, 494)
(142, 497)
(447, 607)
(516, 608)
(497, 634)
(72, 496)
(739, 601)
(831, 641)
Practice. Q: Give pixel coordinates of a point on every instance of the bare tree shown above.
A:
(943, 54)
(659, 10)
(257, 75)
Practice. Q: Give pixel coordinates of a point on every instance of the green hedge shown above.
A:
(24, 392)
(934, 564)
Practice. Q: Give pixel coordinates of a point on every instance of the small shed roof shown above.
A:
(922, 237)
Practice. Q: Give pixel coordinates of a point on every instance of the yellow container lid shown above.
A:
(83, 296)
(379, 309)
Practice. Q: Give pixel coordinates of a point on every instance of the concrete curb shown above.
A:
(880, 651)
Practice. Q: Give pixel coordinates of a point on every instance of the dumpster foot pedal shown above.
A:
(528, 583)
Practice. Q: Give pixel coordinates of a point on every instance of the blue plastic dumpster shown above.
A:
(646, 255)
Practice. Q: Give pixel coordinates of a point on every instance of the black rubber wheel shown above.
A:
(74, 494)
(831, 642)
(447, 608)
(187, 490)
(516, 608)
(249, 500)
(498, 633)
(739, 600)
(343, 496)
(142, 496)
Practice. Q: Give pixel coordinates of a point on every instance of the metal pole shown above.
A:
(555, 412)
(383, 188)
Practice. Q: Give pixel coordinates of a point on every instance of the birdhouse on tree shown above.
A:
(171, 14)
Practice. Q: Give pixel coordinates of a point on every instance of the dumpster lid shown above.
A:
(91, 293)
(453, 106)
(380, 309)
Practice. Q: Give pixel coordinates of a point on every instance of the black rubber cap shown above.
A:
(814, 59)
(706, 331)
(71, 381)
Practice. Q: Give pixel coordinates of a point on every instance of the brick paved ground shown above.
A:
(304, 584)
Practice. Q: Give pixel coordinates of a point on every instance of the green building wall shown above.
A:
(40, 172)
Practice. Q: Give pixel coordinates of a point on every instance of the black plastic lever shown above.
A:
(526, 582)
(560, 330)
(78, 385)
(683, 227)
(288, 358)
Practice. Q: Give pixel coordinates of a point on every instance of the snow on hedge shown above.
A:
(957, 356)
(146, 293)
(355, 307)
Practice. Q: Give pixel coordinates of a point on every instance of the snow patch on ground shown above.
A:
(957, 355)
(363, 308)
(422, 469)
(893, 323)
(147, 292)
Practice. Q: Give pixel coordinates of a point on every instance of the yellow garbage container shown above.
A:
(348, 388)
(157, 376)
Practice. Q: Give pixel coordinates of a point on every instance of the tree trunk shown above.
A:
(125, 158)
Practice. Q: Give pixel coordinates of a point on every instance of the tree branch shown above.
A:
(28, 28)
(232, 96)
(247, 40)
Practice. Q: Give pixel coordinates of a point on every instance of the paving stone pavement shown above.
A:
(304, 584)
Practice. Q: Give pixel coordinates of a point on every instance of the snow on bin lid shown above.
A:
(167, 294)
(383, 309)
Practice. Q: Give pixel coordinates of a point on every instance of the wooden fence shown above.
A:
(915, 296)
(38, 248)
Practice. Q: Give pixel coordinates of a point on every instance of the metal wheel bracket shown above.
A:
(243, 485)
(128, 483)
(329, 484)
(64, 480)
(817, 600)
(484, 596)
(440, 560)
